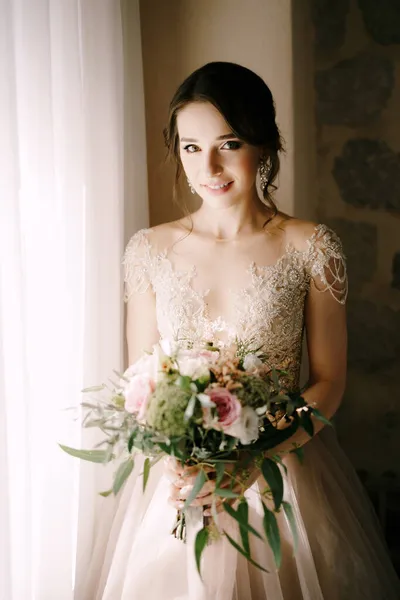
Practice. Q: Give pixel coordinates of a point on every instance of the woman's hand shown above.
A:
(183, 478)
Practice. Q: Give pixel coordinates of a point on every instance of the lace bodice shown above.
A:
(267, 313)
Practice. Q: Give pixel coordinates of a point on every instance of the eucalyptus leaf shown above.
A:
(225, 493)
(299, 452)
(243, 514)
(146, 473)
(279, 460)
(106, 493)
(241, 519)
(199, 545)
(121, 375)
(96, 456)
(273, 477)
(292, 523)
(318, 415)
(123, 472)
(239, 549)
(198, 484)
(220, 471)
(94, 388)
(272, 532)
(131, 440)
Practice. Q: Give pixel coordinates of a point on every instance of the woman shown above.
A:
(239, 267)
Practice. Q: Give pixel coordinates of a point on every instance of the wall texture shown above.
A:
(357, 99)
(180, 36)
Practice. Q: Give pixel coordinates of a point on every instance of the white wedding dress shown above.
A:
(340, 554)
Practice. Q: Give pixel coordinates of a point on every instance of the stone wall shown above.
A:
(357, 105)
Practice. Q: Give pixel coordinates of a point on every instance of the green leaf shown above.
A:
(292, 523)
(199, 545)
(93, 388)
(273, 477)
(272, 532)
(190, 409)
(121, 375)
(279, 460)
(306, 422)
(318, 415)
(299, 452)
(243, 514)
(96, 456)
(239, 549)
(123, 472)
(183, 381)
(131, 440)
(106, 493)
(146, 473)
(198, 484)
(220, 471)
(243, 522)
(225, 493)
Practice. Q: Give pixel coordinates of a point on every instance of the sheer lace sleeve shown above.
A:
(326, 263)
(137, 264)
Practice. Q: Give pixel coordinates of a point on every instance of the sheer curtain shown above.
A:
(62, 233)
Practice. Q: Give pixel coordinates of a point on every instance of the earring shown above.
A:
(190, 186)
(265, 169)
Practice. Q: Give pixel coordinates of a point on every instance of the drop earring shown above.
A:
(265, 170)
(190, 186)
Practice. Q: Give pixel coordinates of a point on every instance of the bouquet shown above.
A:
(209, 407)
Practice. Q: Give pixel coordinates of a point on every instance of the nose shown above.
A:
(212, 165)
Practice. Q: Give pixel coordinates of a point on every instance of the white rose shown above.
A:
(148, 364)
(251, 362)
(194, 367)
(246, 428)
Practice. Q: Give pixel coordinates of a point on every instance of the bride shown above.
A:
(240, 267)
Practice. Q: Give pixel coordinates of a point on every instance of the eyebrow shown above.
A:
(226, 136)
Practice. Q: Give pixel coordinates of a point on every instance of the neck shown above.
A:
(231, 222)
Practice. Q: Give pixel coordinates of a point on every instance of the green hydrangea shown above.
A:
(255, 392)
(166, 410)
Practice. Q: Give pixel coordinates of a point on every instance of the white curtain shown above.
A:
(63, 119)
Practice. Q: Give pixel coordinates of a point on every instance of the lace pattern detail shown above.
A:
(137, 264)
(327, 263)
(268, 313)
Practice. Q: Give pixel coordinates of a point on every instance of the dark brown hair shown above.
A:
(246, 103)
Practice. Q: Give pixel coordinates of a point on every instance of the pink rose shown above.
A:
(137, 394)
(228, 407)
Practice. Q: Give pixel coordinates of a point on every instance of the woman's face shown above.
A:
(212, 156)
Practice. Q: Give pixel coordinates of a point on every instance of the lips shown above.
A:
(217, 186)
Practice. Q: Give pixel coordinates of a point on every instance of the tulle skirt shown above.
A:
(340, 555)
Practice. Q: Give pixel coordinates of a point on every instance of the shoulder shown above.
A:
(323, 255)
(309, 236)
(153, 240)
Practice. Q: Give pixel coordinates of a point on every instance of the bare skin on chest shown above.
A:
(222, 266)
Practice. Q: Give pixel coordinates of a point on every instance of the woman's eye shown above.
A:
(232, 145)
(190, 148)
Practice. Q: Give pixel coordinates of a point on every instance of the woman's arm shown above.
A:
(141, 323)
(325, 323)
(325, 320)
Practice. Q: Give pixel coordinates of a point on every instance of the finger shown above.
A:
(194, 471)
(185, 491)
(177, 504)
